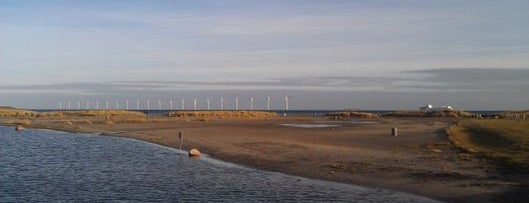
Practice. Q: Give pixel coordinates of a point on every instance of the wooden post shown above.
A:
(181, 140)
(394, 132)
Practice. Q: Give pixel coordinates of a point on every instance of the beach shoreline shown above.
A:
(420, 161)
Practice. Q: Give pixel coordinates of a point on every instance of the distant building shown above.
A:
(431, 108)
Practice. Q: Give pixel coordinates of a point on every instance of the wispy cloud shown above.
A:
(436, 80)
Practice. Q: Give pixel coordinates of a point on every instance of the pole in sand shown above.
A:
(180, 140)
(394, 131)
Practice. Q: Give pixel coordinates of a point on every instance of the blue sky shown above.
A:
(64, 42)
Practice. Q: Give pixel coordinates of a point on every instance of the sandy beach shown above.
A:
(420, 160)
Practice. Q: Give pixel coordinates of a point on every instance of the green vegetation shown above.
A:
(224, 114)
(505, 141)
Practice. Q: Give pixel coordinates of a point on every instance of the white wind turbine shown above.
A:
(251, 100)
(159, 105)
(183, 104)
(107, 105)
(69, 105)
(286, 102)
(79, 105)
(194, 104)
(97, 104)
(268, 103)
(236, 103)
(221, 103)
(148, 105)
(137, 104)
(127, 105)
(117, 104)
(60, 105)
(170, 104)
(207, 104)
(87, 105)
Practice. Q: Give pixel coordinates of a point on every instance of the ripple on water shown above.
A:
(49, 166)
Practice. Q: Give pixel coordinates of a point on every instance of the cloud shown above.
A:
(433, 80)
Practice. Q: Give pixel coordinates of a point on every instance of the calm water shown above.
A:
(38, 165)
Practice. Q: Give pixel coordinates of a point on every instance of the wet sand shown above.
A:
(420, 160)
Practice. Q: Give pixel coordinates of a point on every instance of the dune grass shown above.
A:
(443, 113)
(20, 113)
(93, 113)
(223, 114)
(352, 114)
(17, 113)
(505, 141)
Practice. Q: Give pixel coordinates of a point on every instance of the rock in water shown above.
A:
(194, 153)
(19, 128)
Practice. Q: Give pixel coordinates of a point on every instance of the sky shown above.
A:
(387, 54)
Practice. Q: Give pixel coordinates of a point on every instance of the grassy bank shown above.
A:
(20, 113)
(443, 113)
(351, 114)
(505, 141)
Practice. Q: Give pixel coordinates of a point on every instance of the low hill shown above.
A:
(443, 113)
(223, 114)
(352, 114)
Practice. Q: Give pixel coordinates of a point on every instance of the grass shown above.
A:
(505, 141)
(93, 113)
(224, 114)
(20, 113)
(17, 113)
(443, 113)
(352, 114)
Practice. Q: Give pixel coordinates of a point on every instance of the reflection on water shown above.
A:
(46, 166)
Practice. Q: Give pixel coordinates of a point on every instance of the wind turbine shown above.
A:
(97, 104)
(236, 103)
(148, 105)
(194, 104)
(79, 105)
(107, 105)
(69, 105)
(60, 105)
(251, 100)
(117, 104)
(87, 105)
(183, 104)
(207, 103)
(171, 104)
(221, 103)
(268, 103)
(286, 105)
(159, 104)
(127, 105)
(137, 104)
(286, 102)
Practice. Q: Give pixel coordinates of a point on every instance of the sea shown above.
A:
(52, 166)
